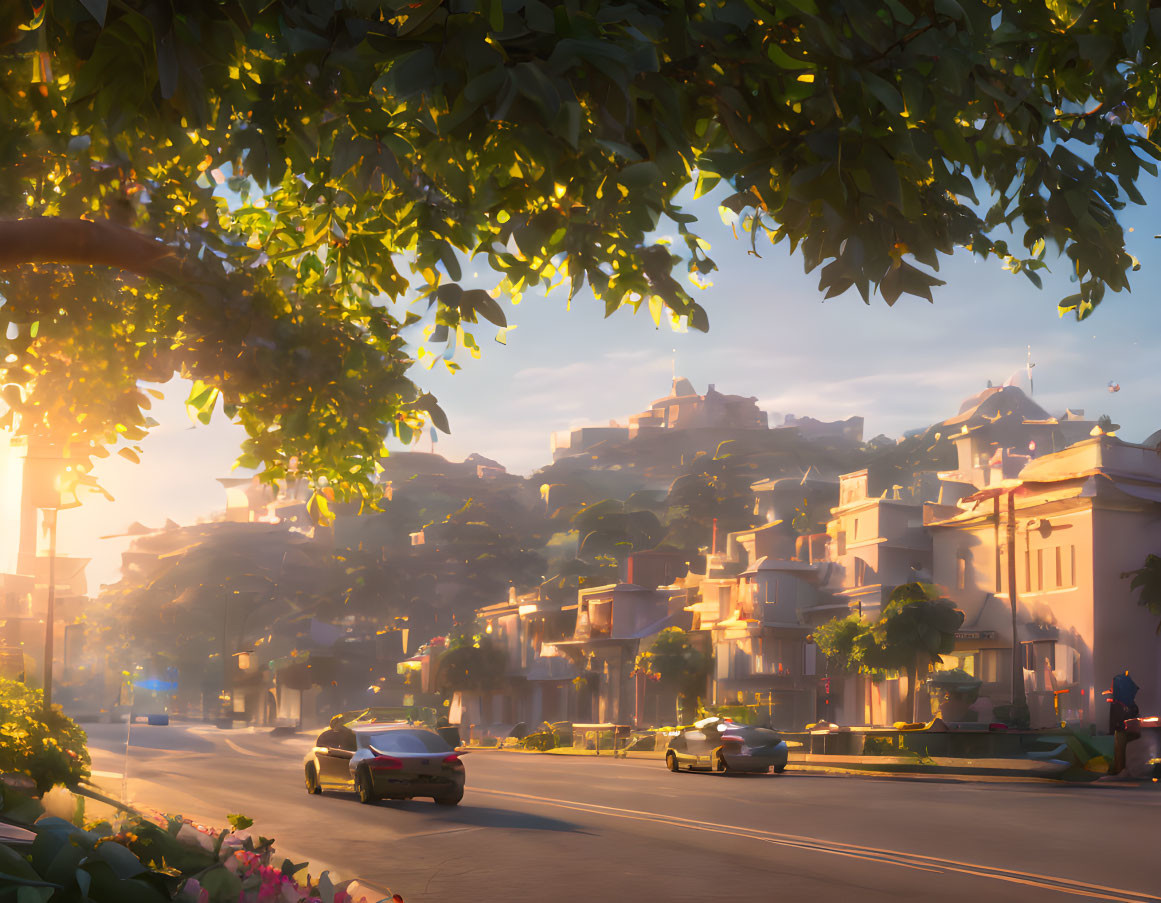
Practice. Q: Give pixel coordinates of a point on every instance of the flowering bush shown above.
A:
(160, 860)
(49, 747)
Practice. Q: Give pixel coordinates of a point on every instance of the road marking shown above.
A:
(246, 752)
(916, 861)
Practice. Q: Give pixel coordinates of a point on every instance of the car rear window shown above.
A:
(407, 742)
(756, 736)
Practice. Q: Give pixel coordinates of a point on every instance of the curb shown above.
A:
(898, 770)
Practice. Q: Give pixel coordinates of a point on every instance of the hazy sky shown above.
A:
(770, 336)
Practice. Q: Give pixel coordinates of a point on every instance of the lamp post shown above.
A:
(50, 605)
(63, 482)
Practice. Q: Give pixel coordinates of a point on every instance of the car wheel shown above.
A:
(364, 787)
(671, 761)
(312, 784)
(451, 799)
(778, 769)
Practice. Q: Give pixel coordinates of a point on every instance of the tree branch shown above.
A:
(76, 242)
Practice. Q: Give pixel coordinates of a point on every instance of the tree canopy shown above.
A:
(235, 190)
(916, 626)
(678, 665)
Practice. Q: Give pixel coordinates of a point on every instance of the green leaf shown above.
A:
(120, 859)
(640, 175)
(221, 883)
(97, 9)
(485, 305)
(887, 94)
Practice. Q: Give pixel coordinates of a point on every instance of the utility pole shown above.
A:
(50, 606)
(1019, 697)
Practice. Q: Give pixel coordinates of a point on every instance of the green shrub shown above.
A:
(540, 741)
(141, 861)
(48, 747)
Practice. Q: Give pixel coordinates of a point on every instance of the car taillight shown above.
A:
(384, 763)
(453, 761)
(731, 739)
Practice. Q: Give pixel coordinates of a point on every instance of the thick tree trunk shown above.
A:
(54, 240)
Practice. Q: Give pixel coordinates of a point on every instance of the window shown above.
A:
(1027, 571)
(961, 570)
(1059, 567)
(1039, 570)
(860, 572)
(856, 534)
(1072, 565)
(995, 666)
(965, 661)
(841, 542)
(406, 741)
(809, 659)
(1037, 653)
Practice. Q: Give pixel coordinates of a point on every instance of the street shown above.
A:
(539, 827)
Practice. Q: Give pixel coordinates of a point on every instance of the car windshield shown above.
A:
(405, 742)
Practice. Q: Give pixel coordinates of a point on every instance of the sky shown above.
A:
(771, 336)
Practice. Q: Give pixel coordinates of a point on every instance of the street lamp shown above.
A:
(64, 483)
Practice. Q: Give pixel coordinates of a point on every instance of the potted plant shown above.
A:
(952, 694)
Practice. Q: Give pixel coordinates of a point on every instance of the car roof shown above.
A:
(368, 727)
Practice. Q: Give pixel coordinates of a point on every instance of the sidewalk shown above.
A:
(984, 770)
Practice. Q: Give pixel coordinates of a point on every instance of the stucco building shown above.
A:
(1066, 529)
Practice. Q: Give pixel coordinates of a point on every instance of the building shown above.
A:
(682, 409)
(1066, 530)
(1000, 429)
(875, 545)
(37, 481)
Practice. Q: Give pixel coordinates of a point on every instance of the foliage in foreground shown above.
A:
(252, 178)
(143, 861)
(48, 747)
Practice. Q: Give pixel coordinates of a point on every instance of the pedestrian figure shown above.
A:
(1122, 707)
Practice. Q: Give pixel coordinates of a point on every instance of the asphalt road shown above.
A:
(560, 829)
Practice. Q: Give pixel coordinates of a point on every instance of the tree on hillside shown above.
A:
(608, 529)
(714, 488)
(229, 190)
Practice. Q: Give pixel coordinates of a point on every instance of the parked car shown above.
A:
(719, 744)
(385, 761)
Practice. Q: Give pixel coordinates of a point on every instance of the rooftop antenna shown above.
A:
(674, 368)
(1028, 369)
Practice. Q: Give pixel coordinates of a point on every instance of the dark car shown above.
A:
(385, 761)
(721, 745)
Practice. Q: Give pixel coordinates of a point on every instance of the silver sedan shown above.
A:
(721, 745)
(385, 761)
